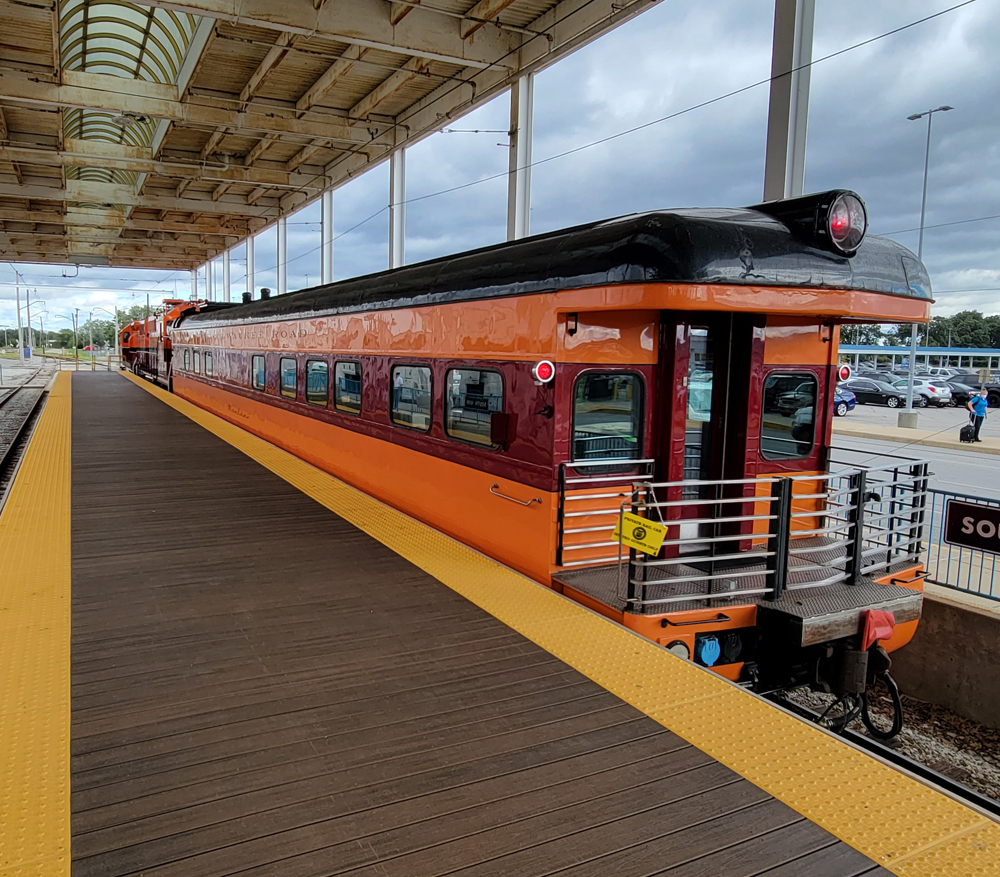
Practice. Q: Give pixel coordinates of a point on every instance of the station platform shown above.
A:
(217, 659)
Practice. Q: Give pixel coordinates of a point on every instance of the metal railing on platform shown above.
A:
(753, 537)
(961, 567)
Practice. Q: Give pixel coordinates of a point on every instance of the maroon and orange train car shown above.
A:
(515, 396)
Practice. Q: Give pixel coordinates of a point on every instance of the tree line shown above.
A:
(964, 329)
(100, 332)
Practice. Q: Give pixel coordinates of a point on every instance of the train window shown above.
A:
(287, 373)
(316, 382)
(347, 395)
(208, 364)
(187, 359)
(471, 396)
(411, 396)
(197, 362)
(607, 416)
(788, 416)
(257, 371)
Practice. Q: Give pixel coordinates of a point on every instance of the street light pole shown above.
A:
(920, 244)
(20, 335)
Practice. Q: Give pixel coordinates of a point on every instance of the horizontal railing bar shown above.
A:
(840, 543)
(583, 545)
(799, 534)
(687, 598)
(612, 461)
(586, 496)
(737, 537)
(588, 529)
(657, 484)
(822, 583)
(705, 578)
(701, 558)
(591, 561)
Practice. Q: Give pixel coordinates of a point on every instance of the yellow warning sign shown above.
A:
(640, 534)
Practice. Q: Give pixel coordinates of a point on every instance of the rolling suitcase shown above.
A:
(967, 433)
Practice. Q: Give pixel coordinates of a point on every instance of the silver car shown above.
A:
(932, 391)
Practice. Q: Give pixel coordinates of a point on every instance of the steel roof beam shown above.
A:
(81, 191)
(82, 153)
(359, 22)
(482, 12)
(112, 94)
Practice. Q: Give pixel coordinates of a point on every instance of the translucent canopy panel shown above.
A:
(116, 38)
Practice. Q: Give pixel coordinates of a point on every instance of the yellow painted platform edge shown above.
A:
(35, 650)
(890, 817)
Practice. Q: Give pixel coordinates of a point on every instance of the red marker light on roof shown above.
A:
(543, 371)
(847, 222)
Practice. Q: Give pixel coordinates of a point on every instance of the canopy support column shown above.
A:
(397, 207)
(326, 227)
(226, 277)
(282, 256)
(788, 110)
(522, 100)
(250, 265)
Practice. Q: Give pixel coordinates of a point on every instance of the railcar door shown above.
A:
(705, 411)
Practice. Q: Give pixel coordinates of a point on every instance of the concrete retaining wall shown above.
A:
(954, 658)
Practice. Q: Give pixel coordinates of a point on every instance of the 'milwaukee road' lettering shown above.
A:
(969, 525)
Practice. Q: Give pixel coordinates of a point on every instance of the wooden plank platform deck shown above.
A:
(260, 688)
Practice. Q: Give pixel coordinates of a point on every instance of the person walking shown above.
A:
(978, 405)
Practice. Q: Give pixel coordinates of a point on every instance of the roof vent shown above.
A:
(265, 292)
(247, 297)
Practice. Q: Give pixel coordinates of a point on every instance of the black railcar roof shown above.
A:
(739, 246)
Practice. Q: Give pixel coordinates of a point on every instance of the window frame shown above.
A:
(814, 443)
(640, 439)
(361, 395)
(253, 372)
(187, 359)
(430, 392)
(197, 362)
(208, 364)
(294, 395)
(326, 384)
(487, 446)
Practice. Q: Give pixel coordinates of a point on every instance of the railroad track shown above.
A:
(932, 777)
(17, 409)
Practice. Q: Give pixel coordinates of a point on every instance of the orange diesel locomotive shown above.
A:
(675, 368)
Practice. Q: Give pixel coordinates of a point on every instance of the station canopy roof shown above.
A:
(158, 134)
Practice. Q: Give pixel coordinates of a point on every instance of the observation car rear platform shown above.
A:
(273, 673)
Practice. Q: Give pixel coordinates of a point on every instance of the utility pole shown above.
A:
(920, 249)
(27, 305)
(20, 334)
(76, 339)
(90, 325)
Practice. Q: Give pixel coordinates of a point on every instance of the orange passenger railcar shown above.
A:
(676, 367)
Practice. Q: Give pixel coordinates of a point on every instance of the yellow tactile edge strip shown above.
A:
(34, 650)
(909, 828)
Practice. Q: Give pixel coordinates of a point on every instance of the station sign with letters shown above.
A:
(969, 525)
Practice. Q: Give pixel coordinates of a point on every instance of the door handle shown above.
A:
(495, 490)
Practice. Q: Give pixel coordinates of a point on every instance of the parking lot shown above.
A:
(935, 419)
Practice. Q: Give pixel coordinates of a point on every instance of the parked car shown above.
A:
(960, 393)
(872, 392)
(932, 391)
(793, 400)
(843, 401)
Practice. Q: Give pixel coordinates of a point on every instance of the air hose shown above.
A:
(897, 710)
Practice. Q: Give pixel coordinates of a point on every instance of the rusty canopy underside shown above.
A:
(159, 134)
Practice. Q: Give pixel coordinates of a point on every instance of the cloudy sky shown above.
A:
(668, 59)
